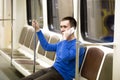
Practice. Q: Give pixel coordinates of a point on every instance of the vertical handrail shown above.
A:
(12, 31)
(77, 41)
(34, 53)
(3, 14)
(34, 38)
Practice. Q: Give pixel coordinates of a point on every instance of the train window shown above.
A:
(34, 11)
(57, 9)
(97, 20)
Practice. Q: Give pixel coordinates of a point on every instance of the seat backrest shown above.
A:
(40, 49)
(92, 63)
(33, 42)
(23, 35)
(29, 36)
(53, 39)
(106, 71)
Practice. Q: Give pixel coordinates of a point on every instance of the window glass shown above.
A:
(34, 11)
(57, 9)
(97, 20)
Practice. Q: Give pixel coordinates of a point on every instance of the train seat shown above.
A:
(8, 51)
(41, 51)
(43, 59)
(51, 55)
(46, 58)
(91, 64)
(28, 47)
(106, 71)
(23, 35)
(21, 39)
(29, 37)
(23, 49)
(34, 43)
(25, 62)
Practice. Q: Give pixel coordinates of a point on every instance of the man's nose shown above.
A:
(62, 29)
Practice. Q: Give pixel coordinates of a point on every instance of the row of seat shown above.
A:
(30, 57)
(96, 65)
(30, 52)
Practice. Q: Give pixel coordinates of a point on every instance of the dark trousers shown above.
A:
(45, 74)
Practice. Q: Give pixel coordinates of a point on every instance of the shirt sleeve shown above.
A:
(44, 43)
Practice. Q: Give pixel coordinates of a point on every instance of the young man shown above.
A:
(64, 66)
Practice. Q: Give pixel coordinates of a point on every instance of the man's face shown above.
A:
(64, 25)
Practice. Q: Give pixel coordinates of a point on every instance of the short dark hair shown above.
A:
(109, 21)
(73, 22)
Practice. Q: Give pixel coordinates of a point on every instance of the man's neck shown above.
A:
(71, 37)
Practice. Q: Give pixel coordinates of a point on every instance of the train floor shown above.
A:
(8, 72)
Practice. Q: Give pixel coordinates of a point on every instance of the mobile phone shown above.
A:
(72, 30)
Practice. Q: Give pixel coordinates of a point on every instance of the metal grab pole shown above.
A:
(77, 41)
(34, 64)
(34, 53)
(12, 31)
(77, 61)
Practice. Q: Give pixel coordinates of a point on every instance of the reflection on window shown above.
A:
(57, 9)
(109, 25)
(34, 11)
(99, 23)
